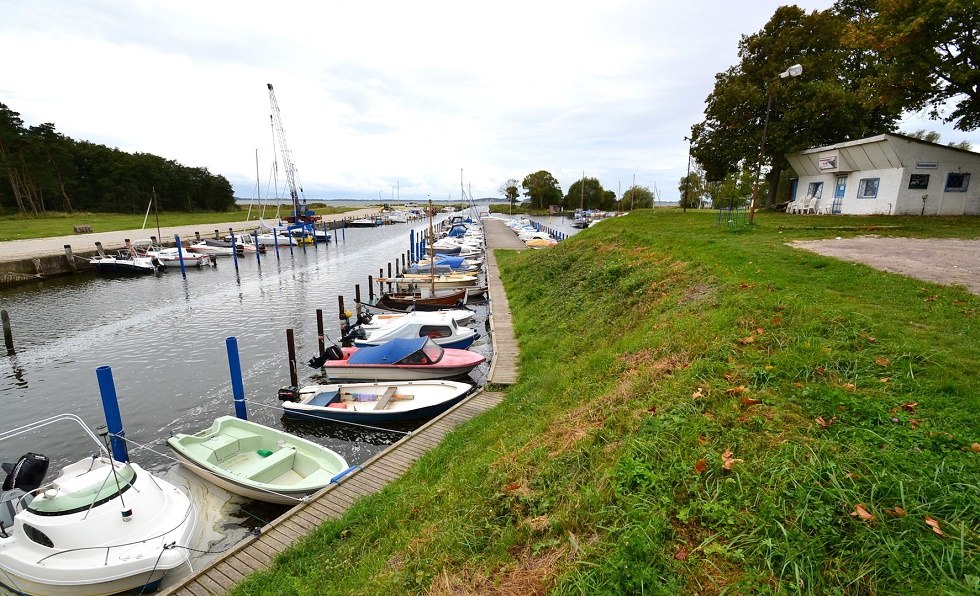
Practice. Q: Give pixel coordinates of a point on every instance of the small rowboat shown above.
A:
(257, 461)
(372, 403)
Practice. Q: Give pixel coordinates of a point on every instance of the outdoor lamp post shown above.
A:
(793, 71)
(687, 181)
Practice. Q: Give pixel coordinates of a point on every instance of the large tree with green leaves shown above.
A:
(510, 191)
(830, 102)
(587, 193)
(542, 189)
(637, 197)
(928, 53)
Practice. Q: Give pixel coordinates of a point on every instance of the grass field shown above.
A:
(701, 409)
(17, 227)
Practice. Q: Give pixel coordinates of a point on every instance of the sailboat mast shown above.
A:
(432, 255)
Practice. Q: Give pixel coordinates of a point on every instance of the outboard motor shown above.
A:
(27, 474)
(22, 478)
(288, 394)
(332, 352)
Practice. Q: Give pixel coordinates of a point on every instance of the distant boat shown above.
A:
(257, 461)
(439, 326)
(373, 403)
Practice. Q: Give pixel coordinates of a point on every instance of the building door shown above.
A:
(839, 187)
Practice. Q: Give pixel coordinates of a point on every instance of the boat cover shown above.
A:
(390, 352)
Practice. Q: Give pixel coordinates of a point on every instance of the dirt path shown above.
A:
(945, 261)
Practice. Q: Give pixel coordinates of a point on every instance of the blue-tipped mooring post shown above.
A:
(113, 419)
(180, 255)
(411, 244)
(237, 386)
(255, 239)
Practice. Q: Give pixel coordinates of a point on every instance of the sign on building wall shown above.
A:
(827, 162)
(926, 165)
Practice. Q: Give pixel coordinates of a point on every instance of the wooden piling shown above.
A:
(319, 330)
(8, 336)
(71, 259)
(291, 347)
(370, 289)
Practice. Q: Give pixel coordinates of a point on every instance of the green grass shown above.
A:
(18, 227)
(653, 344)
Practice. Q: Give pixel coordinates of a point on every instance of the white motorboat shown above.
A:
(440, 326)
(172, 258)
(126, 261)
(101, 527)
(373, 403)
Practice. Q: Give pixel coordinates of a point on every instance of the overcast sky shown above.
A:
(385, 98)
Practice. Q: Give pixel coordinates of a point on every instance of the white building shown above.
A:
(886, 174)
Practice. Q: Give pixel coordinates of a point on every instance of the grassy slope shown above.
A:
(652, 345)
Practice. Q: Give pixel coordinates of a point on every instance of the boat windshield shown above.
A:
(433, 351)
(82, 485)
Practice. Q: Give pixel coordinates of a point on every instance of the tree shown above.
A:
(542, 189)
(929, 53)
(692, 188)
(829, 102)
(638, 197)
(510, 191)
(587, 193)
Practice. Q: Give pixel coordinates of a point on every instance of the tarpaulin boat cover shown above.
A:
(390, 352)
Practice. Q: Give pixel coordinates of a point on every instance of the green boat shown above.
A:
(257, 461)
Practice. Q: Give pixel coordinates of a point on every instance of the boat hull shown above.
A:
(435, 397)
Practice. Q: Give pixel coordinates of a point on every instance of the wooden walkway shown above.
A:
(257, 552)
(503, 367)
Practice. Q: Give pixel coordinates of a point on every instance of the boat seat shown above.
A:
(12, 502)
(269, 468)
(385, 398)
(322, 399)
(222, 446)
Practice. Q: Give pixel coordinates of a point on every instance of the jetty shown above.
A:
(257, 552)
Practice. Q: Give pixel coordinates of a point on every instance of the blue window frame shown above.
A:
(868, 188)
(957, 182)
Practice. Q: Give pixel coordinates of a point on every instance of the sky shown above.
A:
(394, 100)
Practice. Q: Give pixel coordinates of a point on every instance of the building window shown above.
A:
(815, 189)
(919, 181)
(868, 188)
(957, 182)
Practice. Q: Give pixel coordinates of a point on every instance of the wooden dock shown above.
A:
(257, 552)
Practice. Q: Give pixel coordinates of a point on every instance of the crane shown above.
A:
(287, 160)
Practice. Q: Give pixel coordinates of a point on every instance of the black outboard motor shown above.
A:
(332, 352)
(27, 474)
(288, 394)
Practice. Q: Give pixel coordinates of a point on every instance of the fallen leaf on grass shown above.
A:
(730, 377)
(735, 390)
(681, 554)
(760, 331)
(698, 394)
(777, 320)
(824, 424)
(896, 511)
(934, 525)
(748, 401)
(727, 461)
(913, 423)
(885, 379)
(932, 298)
(910, 406)
(512, 487)
(746, 340)
(975, 447)
(700, 466)
(882, 361)
(849, 386)
(862, 513)
(744, 285)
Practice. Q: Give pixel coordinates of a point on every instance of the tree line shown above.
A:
(43, 171)
(542, 190)
(865, 64)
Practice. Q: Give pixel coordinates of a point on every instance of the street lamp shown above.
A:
(793, 71)
(687, 181)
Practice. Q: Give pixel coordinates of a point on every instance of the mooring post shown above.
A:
(113, 419)
(180, 255)
(71, 259)
(319, 331)
(291, 349)
(8, 337)
(234, 250)
(357, 293)
(255, 239)
(237, 385)
(197, 236)
(370, 289)
(411, 244)
(217, 236)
